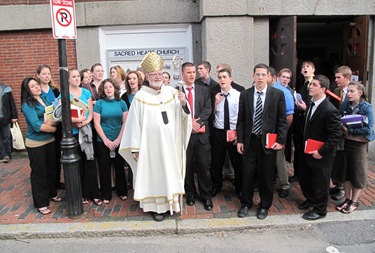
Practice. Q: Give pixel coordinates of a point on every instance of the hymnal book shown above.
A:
(298, 97)
(333, 95)
(231, 135)
(76, 111)
(202, 129)
(79, 103)
(352, 120)
(271, 138)
(48, 115)
(312, 145)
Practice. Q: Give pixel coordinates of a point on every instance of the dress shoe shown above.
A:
(262, 213)
(190, 200)
(293, 178)
(208, 204)
(304, 205)
(313, 215)
(283, 193)
(157, 217)
(334, 190)
(243, 211)
(338, 195)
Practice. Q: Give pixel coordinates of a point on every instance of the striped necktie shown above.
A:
(257, 127)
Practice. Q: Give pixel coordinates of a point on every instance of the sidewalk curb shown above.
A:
(167, 227)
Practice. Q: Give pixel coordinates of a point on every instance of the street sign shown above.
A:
(63, 19)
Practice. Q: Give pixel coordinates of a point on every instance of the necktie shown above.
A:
(226, 113)
(312, 104)
(257, 128)
(190, 101)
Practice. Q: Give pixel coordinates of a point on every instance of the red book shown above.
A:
(202, 129)
(312, 145)
(76, 112)
(231, 135)
(270, 140)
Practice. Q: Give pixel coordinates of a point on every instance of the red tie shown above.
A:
(190, 100)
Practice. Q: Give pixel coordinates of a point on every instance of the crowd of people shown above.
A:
(176, 140)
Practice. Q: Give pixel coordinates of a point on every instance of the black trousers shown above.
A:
(314, 182)
(43, 173)
(105, 167)
(197, 156)
(89, 176)
(255, 160)
(219, 147)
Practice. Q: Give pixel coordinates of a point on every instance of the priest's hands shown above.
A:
(182, 98)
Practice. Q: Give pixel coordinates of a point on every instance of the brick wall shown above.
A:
(20, 54)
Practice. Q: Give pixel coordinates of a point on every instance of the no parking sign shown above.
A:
(63, 19)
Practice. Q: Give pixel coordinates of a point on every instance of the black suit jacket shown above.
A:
(211, 85)
(202, 110)
(324, 125)
(273, 117)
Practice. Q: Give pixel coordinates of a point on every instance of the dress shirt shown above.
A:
(233, 100)
(317, 103)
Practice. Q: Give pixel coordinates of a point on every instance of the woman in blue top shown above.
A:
(89, 180)
(110, 114)
(50, 93)
(354, 162)
(40, 144)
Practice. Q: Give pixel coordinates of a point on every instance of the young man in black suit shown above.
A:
(261, 111)
(198, 151)
(204, 69)
(322, 123)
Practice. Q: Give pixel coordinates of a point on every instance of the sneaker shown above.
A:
(6, 159)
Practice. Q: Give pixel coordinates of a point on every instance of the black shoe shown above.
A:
(208, 205)
(215, 191)
(190, 200)
(338, 195)
(334, 190)
(283, 193)
(304, 205)
(313, 215)
(157, 217)
(262, 213)
(243, 211)
(60, 186)
(293, 179)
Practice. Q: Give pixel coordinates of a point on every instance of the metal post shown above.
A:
(69, 146)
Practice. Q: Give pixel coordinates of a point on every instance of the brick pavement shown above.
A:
(16, 206)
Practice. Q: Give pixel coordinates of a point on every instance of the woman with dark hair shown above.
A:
(166, 78)
(97, 73)
(40, 145)
(82, 125)
(133, 83)
(354, 161)
(86, 77)
(50, 93)
(118, 76)
(110, 114)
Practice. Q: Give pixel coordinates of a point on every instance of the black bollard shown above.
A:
(69, 146)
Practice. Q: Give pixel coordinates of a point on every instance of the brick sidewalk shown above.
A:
(16, 204)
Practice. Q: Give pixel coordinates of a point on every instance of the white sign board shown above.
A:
(63, 19)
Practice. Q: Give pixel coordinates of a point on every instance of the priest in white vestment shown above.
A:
(156, 135)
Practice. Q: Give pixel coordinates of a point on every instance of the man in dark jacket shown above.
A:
(8, 114)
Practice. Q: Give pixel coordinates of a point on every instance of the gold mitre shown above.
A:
(152, 62)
